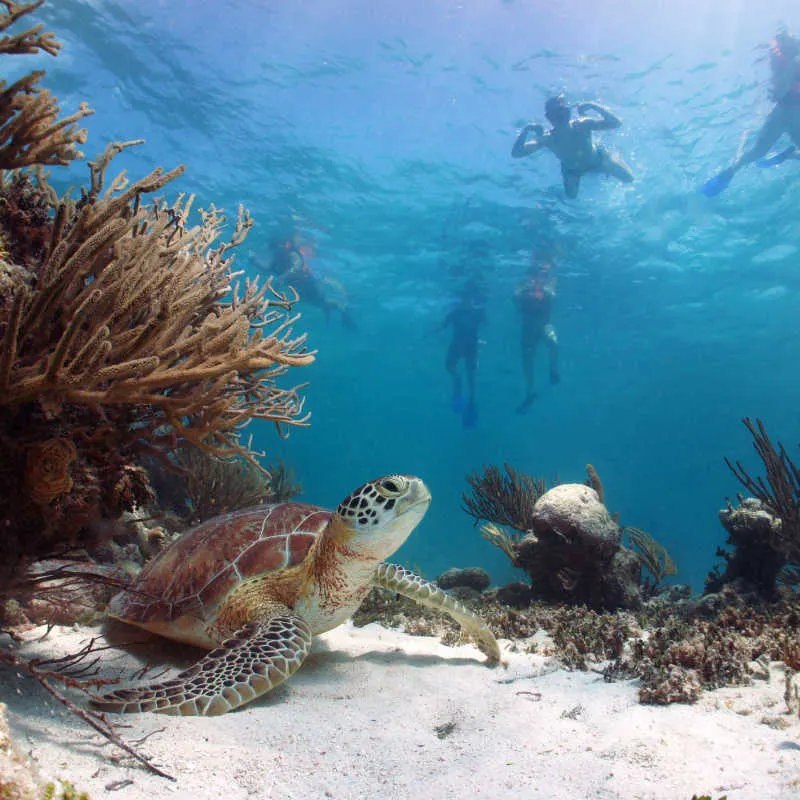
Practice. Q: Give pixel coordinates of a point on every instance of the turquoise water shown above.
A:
(386, 129)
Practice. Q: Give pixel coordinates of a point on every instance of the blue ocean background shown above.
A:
(386, 129)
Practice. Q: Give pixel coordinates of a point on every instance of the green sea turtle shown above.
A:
(253, 586)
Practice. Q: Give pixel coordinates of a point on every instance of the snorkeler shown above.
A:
(534, 301)
(571, 141)
(783, 119)
(466, 317)
(288, 265)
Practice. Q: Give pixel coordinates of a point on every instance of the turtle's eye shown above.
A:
(394, 486)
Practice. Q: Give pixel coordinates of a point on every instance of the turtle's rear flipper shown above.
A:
(258, 657)
(403, 581)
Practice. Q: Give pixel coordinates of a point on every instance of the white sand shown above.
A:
(359, 720)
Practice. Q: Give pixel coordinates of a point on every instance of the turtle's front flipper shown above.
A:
(258, 657)
(403, 581)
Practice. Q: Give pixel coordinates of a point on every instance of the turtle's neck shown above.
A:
(339, 576)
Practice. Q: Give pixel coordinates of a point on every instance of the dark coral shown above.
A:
(779, 491)
(750, 561)
(763, 544)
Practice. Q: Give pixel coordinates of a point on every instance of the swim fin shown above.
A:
(470, 418)
(778, 158)
(718, 184)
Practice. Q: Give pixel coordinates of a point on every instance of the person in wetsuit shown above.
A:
(465, 318)
(571, 141)
(784, 118)
(288, 265)
(534, 301)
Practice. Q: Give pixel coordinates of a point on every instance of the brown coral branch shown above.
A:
(204, 360)
(652, 555)
(31, 132)
(27, 42)
(48, 677)
(595, 482)
(508, 543)
(503, 499)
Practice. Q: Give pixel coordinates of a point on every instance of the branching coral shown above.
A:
(507, 542)
(652, 555)
(503, 499)
(30, 131)
(216, 486)
(282, 483)
(124, 331)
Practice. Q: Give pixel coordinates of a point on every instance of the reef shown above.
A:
(763, 544)
(573, 550)
(674, 647)
(125, 330)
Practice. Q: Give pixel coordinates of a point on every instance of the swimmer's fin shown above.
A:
(523, 407)
(470, 418)
(778, 158)
(718, 184)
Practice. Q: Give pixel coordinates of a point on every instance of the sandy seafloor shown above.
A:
(364, 716)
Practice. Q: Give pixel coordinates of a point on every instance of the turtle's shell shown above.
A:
(193, 575)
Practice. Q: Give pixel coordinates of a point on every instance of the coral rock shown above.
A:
(475, 578)
(750, 518)
(574, 512)
(753, 563)
(516, 594)
(573, 554)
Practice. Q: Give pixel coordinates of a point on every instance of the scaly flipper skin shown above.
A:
(402, 581)
(258, 657)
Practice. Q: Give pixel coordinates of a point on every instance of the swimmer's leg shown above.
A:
(470, 366)
(552, 348)
(614, 166)
(572, 183)
(773, 128)
(529, 342)
(451, 364)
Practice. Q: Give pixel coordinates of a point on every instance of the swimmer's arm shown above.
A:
(609, 121)
(523, 146)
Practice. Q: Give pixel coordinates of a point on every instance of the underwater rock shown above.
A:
(574, 512)
(573, 554)
(475, 578)
(753, 564)
(673, 594)
(465, 593)
(750, 518)
(16, 776)
(516, 594)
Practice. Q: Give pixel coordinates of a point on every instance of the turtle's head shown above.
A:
(382, 513)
